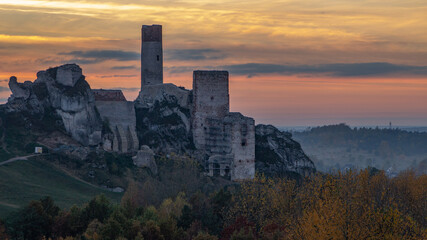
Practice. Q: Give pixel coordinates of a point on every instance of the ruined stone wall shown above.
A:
(227, 138)
(242, 145)
(151, 55)
(108, 95)
(122, 121)
(210, 100)
(217, 136)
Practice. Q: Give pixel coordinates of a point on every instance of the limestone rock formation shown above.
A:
(68, 74)
(277, 154)
(163, 118)
(65, 91)
(163, 92)
(145, 158)
(19, 90)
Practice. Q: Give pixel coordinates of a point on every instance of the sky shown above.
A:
(291, 62)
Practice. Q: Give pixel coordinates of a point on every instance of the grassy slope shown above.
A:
(5, 155)
(23, 181)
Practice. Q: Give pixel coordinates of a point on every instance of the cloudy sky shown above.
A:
(292, 62)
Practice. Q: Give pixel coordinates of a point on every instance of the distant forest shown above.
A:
(373, 140)
(387, 147)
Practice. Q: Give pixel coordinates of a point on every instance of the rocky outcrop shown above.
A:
(145, 158)
(164, 92)
(68, 75)
(163, 115)
(19, 90)
(277, 154)
(163, 119)
(65, 91)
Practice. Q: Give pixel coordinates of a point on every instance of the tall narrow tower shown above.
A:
(151, 55)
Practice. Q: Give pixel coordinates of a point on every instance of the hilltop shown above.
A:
(169, 139)
(63, 116)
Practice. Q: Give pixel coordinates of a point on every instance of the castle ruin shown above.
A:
(226, 139)
(118, 115)
(163, 119)
(151, 55)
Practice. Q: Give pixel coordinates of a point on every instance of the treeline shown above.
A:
(375, 140)
(350, 205)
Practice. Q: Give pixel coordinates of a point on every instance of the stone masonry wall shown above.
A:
(108, 95)
(122, 121)
(228, 139)
(243, 146)
(210, 100)
(151, 55)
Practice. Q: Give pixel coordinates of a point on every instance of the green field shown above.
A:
(5, 155)
(23, 181)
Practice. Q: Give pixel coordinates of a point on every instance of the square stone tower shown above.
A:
(151, 55)
(210, 100)
(227, 139)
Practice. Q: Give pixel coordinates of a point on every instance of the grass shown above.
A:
(23, 181)
(4, 155)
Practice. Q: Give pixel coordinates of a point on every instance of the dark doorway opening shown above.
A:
(227, 172)
(216, 170)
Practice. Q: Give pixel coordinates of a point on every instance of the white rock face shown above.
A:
(76, 105)
(278, 154)
(64, 90)
(164, 118)
(68, 74)
(18, 89)
(82, 125)
(163, 92)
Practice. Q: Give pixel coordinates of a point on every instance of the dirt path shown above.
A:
(9, 205)
(25, 158)
(68, 173)
(20, 158)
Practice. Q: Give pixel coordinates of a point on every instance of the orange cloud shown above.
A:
(36, 33)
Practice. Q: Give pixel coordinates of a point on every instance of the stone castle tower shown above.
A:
(225, 139)
(151, 55)
(228, 138)
(210, 99)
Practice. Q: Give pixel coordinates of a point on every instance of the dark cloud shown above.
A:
(184, 69)
(194, 54)
(4, 80)
(123, 67)
(96, 56)
(4, 89)
(117, 76)
(338, 69)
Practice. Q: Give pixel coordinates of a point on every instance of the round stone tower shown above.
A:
(151, 55)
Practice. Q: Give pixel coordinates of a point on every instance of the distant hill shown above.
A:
(340, 146)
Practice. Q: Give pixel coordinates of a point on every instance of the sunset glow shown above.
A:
(291, 62)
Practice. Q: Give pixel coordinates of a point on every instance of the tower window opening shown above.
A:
(158, 58)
